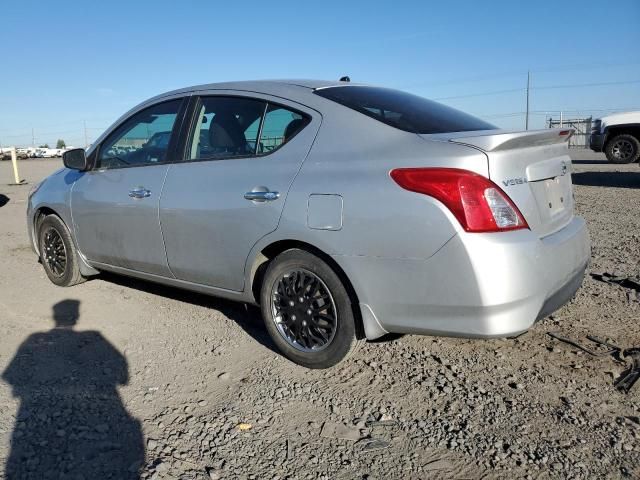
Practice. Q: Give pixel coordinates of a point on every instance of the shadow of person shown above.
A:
(71, 422)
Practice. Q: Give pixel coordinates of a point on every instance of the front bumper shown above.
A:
(596, 142)
(477, 285)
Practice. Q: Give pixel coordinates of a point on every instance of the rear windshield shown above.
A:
(403, 110)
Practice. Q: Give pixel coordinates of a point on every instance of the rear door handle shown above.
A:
(139, 192)
(258, 196)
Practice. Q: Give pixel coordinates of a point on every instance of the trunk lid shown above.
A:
(532, 167)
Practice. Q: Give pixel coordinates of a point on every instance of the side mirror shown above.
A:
(75, 159)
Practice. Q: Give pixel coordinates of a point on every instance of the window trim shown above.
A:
(264, 115)
(189, 129)
(172, 151)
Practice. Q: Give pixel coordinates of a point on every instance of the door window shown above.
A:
(143, 139)
(226, 127)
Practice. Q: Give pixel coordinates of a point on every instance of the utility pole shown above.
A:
(33, 138)
(86, 142)
(526, 121)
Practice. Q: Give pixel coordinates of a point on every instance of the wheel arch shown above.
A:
(626, 128)
(44, 211)
(39, 215)
(269, 252)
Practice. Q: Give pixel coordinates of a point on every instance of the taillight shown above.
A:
(478, 203)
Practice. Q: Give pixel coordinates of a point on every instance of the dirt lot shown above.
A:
(180, 385)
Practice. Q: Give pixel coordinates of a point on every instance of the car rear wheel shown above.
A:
(58, 253)
(307, 310)
(623, 148)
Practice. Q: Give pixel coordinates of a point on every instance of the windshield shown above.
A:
(403, 110)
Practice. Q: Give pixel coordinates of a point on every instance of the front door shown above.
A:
(115, 205)
(242, 156)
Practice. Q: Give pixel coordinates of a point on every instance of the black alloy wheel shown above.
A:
(54, 252)
(58, 253)
(623, 148)
(304, 310)
(308, 311)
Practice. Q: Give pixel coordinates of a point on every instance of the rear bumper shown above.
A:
(596, 142)
(477, 285)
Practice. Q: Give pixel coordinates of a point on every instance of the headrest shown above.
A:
(225, 132)
(292, 128)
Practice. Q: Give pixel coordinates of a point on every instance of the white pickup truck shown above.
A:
(618, 136)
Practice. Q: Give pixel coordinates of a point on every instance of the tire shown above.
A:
(307, 310)
(58, 253)
(623, 148)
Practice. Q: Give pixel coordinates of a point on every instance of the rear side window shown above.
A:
(403, 110)
(280, 125)
(228, 127)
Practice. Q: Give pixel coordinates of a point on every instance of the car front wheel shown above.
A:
(307, 310)
(58, 253)
(623, 148)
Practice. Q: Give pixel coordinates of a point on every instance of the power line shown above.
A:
(618, 109)
(550, 111)
(577, 85)
(584, 66)
(515, 73)
(503, 115)
(41, 133)
(460, 80)
(544, 87)
(484, 94)
(75, 122)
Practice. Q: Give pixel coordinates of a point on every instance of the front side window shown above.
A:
(403, 110)
(228, 127)
(141, 140)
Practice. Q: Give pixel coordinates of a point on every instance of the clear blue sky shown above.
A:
(66, 62)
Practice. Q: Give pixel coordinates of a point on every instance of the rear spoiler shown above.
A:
(492, 142)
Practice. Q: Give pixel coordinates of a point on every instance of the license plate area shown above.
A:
(554, 195)
(554, 200)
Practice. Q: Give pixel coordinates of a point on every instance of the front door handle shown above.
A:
(262, 195)
(139, 192)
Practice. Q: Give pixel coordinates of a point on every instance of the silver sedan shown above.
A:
(345, 211)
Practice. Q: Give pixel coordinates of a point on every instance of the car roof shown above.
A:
(282, 87)
(621, 117)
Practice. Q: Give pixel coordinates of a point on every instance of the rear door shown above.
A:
(115, 205)
(242, 154)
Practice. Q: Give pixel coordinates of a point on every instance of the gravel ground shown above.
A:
(142, 380)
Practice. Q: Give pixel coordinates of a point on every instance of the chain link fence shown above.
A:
(582, 127)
